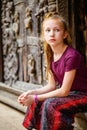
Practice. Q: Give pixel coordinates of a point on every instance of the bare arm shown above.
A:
(65, 88)
(47, 88)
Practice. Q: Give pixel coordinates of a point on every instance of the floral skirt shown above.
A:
(55, 113)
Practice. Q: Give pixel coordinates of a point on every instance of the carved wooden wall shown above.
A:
(23, 57)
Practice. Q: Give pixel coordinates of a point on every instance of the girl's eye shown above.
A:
(56, 30)
(47, 30)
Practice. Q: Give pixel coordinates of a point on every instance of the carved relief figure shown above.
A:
(52, 5)
(28, 19)
(9, 11)
(8, 35)
(3, 12)
(11, 67)
(31, 67)
(16, 23)
(43, 7)
(10, 54)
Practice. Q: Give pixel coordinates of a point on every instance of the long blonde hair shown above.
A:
(47, 49)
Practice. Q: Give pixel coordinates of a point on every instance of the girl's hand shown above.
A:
(28, 100)
(23, 96)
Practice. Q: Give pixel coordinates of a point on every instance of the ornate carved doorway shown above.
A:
(20, 38)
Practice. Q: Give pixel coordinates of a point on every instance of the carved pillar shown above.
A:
(10, 61)
(81, 27)
(1, 60)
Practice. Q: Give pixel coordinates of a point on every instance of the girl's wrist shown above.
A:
(36, 99)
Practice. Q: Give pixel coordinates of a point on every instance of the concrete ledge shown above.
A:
(9, 96)
(80, 121)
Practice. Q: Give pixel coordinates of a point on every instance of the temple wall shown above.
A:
(22, 56)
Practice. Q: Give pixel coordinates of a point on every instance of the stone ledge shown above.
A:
(9, 96)
(24, 86)
(80, 121)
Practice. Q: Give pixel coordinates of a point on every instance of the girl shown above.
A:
(53, 106)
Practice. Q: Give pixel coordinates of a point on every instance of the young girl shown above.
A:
(53, 106)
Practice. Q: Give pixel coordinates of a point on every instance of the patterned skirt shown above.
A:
(55, 113)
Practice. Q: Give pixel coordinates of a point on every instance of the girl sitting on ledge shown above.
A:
(53, 106)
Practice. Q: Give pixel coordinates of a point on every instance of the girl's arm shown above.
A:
(50, 86)
(47, 88)
(63, 90)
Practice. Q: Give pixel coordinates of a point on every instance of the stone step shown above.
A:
(9, 96)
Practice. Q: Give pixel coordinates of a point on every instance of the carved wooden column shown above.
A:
(81, 27)
(1, 60)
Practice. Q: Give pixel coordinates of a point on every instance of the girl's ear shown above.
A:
(65, 35)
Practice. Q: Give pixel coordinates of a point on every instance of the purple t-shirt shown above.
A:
(71, 59)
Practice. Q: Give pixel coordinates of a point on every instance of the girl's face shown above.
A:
(54, 33)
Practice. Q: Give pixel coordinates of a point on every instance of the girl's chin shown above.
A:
(53, 44)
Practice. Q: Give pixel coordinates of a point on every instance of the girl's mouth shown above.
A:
(52, 40)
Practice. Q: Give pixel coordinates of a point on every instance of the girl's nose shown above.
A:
(51, 32)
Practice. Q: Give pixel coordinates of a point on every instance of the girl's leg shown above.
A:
(53, 119)
(32, 117)
(58, 113)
